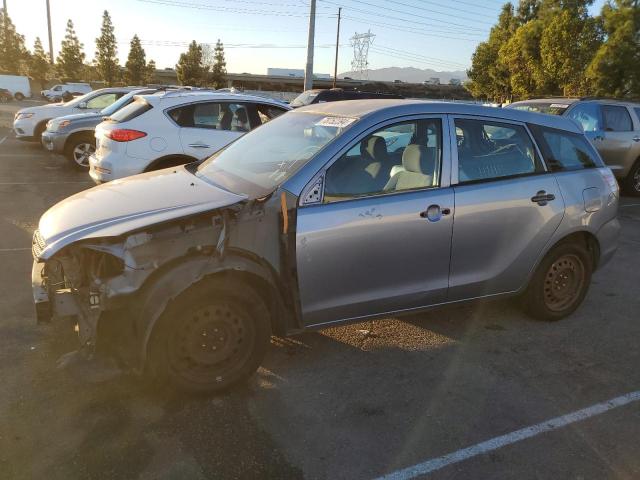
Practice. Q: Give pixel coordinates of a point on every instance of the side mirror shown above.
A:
(82, 105)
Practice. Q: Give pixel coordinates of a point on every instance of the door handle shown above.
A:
(636, 139)
(598, 138)
(433, 213)
(542, 198)
(199, 145)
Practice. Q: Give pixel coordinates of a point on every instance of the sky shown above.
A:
(436, 34)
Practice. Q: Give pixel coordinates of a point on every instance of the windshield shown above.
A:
(79, 100)
(305, 98)
(258, 162)
(118, 104)
(551, 108)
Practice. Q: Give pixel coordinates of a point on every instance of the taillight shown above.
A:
(124, 135)
(609, 178)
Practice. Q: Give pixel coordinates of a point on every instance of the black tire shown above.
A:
(78, 149)
(212, 336)
(19, 96)
(559, 284)
(37, 132)
(169, 162)
(632, 182)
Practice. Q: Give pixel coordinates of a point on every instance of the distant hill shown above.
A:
(407, 74)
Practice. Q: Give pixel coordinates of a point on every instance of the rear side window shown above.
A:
(616, 119)
(213, 116)
(131, 111)
(565, 150)
(491, 150)
(268, 112)
(637, 110)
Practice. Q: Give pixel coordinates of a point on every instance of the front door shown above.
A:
(379, 239)
(616, 146)
(507, 209)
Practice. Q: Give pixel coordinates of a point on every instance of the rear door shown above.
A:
(376, 241)
(616, 146)
(208, 126)
(507, 207)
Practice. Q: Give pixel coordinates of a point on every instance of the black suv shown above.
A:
(335, 95)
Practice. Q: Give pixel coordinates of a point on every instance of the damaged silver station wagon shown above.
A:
(334, 213)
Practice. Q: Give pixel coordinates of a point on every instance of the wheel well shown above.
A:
(40, 125)
(75, 135)
(169, 161)
(587, 240)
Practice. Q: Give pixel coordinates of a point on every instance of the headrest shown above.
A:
(241, 114)
(414, 158)
(374, 147)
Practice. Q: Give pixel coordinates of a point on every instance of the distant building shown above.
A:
(455, 81)
(432, 81)
(293, 72)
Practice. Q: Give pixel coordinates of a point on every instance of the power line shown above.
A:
(416, 60)
(413, 30)
(417, 55)
(443, 6)
(386, 15)
(197, 6)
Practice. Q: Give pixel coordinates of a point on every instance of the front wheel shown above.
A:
(560, 283)
(19, 96)
(210, 337)
(79, 149)
(632, 182)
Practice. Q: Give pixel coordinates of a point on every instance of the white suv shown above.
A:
(173, 128)
(29, 123)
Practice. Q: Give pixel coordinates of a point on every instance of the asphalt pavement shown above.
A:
(354, 402)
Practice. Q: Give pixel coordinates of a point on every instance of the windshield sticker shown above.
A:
(338, 122)
(558, 105)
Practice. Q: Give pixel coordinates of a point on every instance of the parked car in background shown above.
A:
(17, 85)
(29, 123)
(309, 221)
(612, 126)
(5, 95)
(61, 91)
(335, 95)
(174, 128)
(74, 135)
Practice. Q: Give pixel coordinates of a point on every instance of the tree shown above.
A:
(151, 72)
(39, 63)
(71, 58)
(12, 50)
(106, 58)
(488, 76)
(219, 69)
(615, 68)
(136, 65)
(190, 69)
(567, 46)
(521, 57)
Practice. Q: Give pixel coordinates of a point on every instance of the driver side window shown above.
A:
(398, 157)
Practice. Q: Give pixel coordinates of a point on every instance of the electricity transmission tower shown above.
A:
(360, 63)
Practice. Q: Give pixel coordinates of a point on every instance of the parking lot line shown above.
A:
(513, 437)
(3, 139)
(630, 205)
(5, 250)
(84, 182)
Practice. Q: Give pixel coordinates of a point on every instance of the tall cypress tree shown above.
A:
(39, 63)
(106, 58)
(219, 69)
(12, 49)
(190, 69)
(136, 65)
(70, 61)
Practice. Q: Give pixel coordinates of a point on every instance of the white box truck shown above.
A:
(18, 85)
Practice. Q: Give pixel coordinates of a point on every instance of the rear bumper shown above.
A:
(608, 236)
(54, 142)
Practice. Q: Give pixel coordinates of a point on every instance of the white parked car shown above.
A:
(18, 85)
(174, 128)
(57, 92)
(29, 123)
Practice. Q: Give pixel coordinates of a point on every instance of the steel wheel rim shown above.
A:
(211, 342)
(82, 152)
(564, 282)
(636, 180)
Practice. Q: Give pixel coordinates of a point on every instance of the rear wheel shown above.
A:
(632, 182)
(78, 150)
(560, 283)
(19, 96)
(212, 336)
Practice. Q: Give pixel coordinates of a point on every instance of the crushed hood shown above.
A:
(128, 204)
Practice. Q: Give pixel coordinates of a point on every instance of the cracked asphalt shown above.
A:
(351, 402)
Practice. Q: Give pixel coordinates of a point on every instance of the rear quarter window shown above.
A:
(131, 111)
(565, 150)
